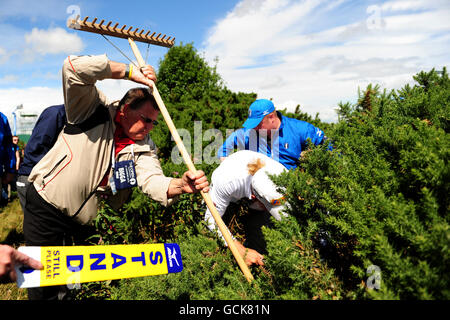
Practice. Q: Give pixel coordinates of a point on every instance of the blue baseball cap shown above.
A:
(257, 111)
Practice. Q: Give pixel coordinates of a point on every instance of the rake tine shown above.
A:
(122, 32)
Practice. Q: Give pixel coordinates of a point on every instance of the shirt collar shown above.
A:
(282, 118)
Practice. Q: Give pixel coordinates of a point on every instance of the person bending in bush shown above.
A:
(245, 175)
(103, 150)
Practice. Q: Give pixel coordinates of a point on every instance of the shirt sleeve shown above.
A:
(315, 134)
(227, 147)
(81, 97)
(239, 139)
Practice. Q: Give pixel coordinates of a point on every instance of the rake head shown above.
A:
(123, 32)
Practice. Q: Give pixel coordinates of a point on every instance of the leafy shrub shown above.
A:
(381, 195)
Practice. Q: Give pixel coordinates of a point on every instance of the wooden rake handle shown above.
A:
(191, 167)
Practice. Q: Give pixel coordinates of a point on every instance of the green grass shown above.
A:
(11, 223)
(11, 233)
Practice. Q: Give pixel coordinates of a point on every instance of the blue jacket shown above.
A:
(45, 132)
(286, 145)
(7, 155)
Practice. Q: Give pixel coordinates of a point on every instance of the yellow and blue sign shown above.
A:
(78, 264)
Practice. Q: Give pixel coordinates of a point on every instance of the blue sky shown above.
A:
(186, 21)
(315, 53)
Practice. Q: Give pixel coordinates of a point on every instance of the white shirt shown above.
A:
(231, 182)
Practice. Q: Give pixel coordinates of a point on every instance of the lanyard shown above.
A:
(113, 155)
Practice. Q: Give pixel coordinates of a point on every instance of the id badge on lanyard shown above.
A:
(124, 174)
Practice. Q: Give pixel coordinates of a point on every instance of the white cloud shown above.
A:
(255, 29)
(407, 5)
(316, 54)
(34, 10)
(34, 99)
(9, 78)
(52, 41)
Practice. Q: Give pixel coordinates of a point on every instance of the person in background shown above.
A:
(11, 186)
(269, 132)
(45, 132)
(7, 158)
(15, 141)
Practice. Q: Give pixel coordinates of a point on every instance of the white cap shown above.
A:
(266, 191)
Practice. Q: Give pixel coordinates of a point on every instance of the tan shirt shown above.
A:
(69, 175)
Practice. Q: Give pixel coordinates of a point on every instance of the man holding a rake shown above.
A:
(104, 151)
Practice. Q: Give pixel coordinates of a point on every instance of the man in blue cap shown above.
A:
(269, 132)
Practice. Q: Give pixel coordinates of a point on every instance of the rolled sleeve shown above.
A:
(80, 73)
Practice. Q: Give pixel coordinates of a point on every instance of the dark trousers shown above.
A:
(44, 225)
(253, 223)
(22, 185)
